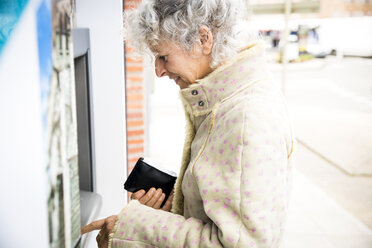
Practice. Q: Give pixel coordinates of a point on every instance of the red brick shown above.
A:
(136, 132)
(134, 115)
(134, 68)
(134, 106)
(135, 79)
(137, 149)
(135, 123)
(134, 97)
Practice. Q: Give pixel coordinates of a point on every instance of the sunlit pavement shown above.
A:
(332, 117)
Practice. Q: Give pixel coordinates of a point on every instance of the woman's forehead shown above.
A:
(165, 47)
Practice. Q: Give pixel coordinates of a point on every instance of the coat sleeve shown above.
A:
(243, 180)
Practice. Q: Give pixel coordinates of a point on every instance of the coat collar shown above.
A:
(236, 74)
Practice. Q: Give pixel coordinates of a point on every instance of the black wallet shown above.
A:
(145, 176)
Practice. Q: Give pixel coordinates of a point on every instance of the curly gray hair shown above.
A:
(155, 21)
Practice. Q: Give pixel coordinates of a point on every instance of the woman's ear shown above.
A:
(206, 40)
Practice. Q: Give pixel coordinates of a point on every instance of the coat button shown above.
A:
(194, 92)
(201, 103)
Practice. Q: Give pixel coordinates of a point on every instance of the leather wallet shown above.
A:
(145, 176)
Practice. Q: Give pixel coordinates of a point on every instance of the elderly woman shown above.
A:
(235, 177)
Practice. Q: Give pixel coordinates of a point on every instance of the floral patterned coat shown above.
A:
(235, 177)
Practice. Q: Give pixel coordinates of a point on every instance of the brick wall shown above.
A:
(135, 101)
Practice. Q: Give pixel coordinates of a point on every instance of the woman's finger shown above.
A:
(159, 201)
(155, 198)
(168, 204)
(144, 199)
(137, 195)
(96, 225)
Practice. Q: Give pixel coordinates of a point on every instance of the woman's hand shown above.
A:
(154, 198)
(105, 226)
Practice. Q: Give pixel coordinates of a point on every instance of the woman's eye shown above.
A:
(162, 58)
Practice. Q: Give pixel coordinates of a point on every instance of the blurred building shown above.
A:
(331, 8)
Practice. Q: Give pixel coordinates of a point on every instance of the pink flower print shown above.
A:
(237, 160)
(232, 169)
(174, 236)
(246, 217)
(164, 238)
(224, 142)
(241, 68)
(225, 205)
(216, 200)
(245, 143)
(235, 214)
(143, 229)
(222, 89)
(157, 239)
(253, 230)
(134, 231)
(228, 200)
(122, 234)
(220, 151)
(122, 242)
(215, 96)
(205, 191)
(210, 90)
(227, 72)
(131, 220)
(225, 81)
(210, 183)
(227, 122)
(122, 224)
(116, 243)
(247, 193)
(217, 190)
(197, 178)
(206, 159)
(212, 148)
(218, 174)
(213, 164)
(143, 219)
(215, 82)
(231, 147)
(230, 240)
(205, 202)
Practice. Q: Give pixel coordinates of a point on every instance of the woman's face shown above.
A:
(182, 66)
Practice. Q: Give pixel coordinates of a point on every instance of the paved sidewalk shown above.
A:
(316, 220)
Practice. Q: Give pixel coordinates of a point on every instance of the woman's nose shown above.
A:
(160, 68)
